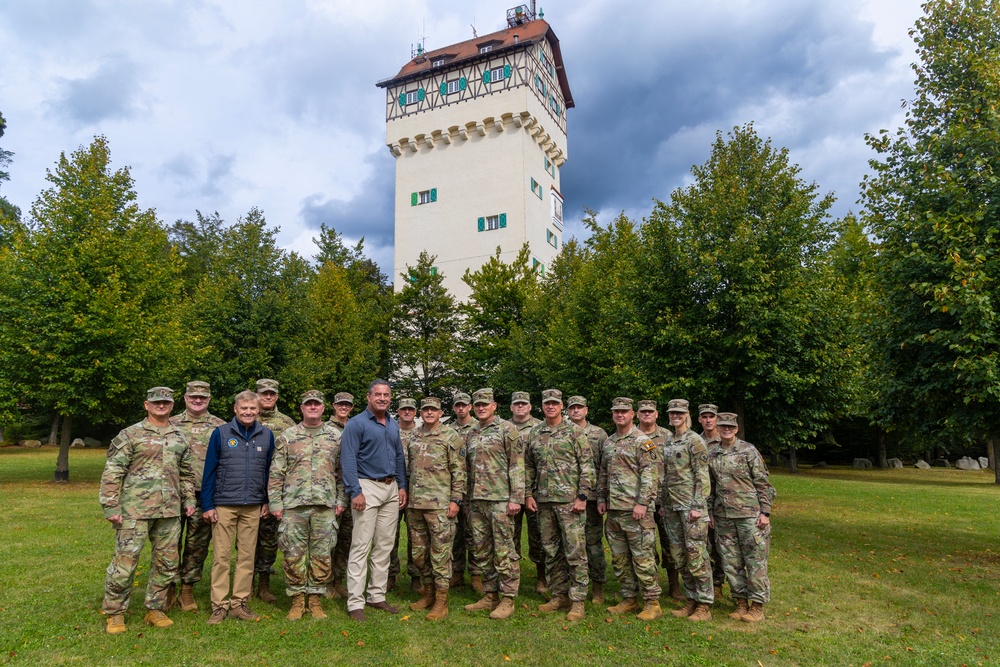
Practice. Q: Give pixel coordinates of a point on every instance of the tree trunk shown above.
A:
(991, 454)
(1, 435)
(62, 461)
(773, 459)
(883, 462)
(793, 460)
(54, 431)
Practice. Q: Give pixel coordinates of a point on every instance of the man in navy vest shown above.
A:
(233, 500)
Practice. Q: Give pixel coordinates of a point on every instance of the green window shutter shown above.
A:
(434, 194)
(486, 75)
(482, 224)
(413, 199)
(503, 220)
(538, 82)
(444, 89)
(462, 83)
(402, 99)
(420, 94)
(555, 242)
(506, 71)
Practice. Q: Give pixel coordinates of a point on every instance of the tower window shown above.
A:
(536, 187)
(437, 63)
(453, 86)
(552, 238)
(413, 96)
(486, 49)
(491, 222)
(497, 74)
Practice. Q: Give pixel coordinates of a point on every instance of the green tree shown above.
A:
(197, 244)
(933, 200)
(10, 215)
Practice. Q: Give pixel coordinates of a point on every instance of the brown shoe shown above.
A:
(440, 609)
(157, 619)
(315, 608)
(218, 616)
(186, 598)
(651, 611)
(741, 608)
(755, 614)
(114, 624)
(477, 583)
(384, 606)
(424, 602)
(390, 584)
(298, 607)
(415, 585)
(504, 610)
(264, 588)
(357, 615)
(701, 613)
(626, 606)
(340, 589)
(675, 591)
(542, 585)
(686, 610)
(457, 580)
(488, 602)
(240, 610)
(576, 612)
(171, 597)
(597, 592)
(555, 604)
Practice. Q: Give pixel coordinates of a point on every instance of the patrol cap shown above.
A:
(431, 402)
(710, 408)
(727, 419)
(461, 398)
(621, 403)
(576, 400)
(484, 395)
(551, 395)
(520, 397)
(343, 397)
(267, 384)
(156, 394)
(407, 403)
(313, 395)
(647, 405)
(677, 405)
(198, 388)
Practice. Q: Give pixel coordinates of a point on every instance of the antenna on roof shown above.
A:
(421, 46)
(473, 24)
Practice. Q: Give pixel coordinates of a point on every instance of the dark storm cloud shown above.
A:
(110, 92)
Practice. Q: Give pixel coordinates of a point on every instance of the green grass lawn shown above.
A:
(894, 567)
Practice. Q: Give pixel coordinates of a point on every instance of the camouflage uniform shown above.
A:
(395, 567)
(718, 576)
(267, 532)
(597, 565)
(535, 552)
(495, 467)
(305, 484)
(559, 468)
(147, 479)
(436, 473)
(741, 493)
(628, 477)
(686, 487)
(342, 549)
(197, 533)
(462, 546)
(659, 437)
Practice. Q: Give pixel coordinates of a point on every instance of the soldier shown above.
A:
(520, 408)
(343, 405)
(708, 416)
(407, 411)
(461, 405)
(559, 477)
(741, 511)
(267, 534)
(436, 473)
(196, 424)
(307, 495)
(627, 487)
(648, 415)
(684, 497)
(495, 469)
(147, 478)
(596, 564)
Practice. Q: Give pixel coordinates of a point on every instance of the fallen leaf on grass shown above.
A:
(909, 648)
(360, 643)
(507, 658)
(773, 652)
(405, 618)
(343, 632)
(283, 633)
(611, 648)
(608, 620)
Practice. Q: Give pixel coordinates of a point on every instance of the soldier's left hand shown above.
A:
(531, 505)
(513, 508)
(338, 510)
(452, 510)
(277, 514)
(639, 512)
(762, 520)
(693, 516)
(579, 506)
(189, 510)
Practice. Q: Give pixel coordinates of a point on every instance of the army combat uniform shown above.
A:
(267, 532)
(342, 549)
(659, 438)
(462, 546)
(718, 576)
(535, 552)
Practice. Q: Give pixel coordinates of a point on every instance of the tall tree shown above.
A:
(197, 243)
(10, 215)
(933, 200)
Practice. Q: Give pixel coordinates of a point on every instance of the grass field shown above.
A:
(895, 567)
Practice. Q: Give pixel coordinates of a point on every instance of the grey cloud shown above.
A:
(110, 92)
(205, 177)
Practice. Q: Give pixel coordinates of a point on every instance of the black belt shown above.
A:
(381, 480)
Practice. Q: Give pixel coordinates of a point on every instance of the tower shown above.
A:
(478, 130)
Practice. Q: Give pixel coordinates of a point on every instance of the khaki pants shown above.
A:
(374, 534)
(241, 522)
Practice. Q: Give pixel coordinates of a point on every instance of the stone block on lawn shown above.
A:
(93, 443)
(984, 462)
(895, 463)
(29, 443)
(863, 464)
(923, 465)
(967, 463)
(77, 443)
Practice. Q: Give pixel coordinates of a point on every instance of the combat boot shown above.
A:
(627, 605)
(755, 614)
(186, 598)
(718, 593)
(264, 588)
(457, 580)
(504, 610)
(477, 583)
(555, 604)
(171, 597)
(114, 624)
(541, 586)
(488, 602)
(390, 583)
(686, 610)
(315, 608)
(675, 591)
(157, 619)
(440, 609)
(340, 589)
(415, 585)
(298, 607)
(576, 612)
(741, 608)
(426, 601)
(702, 612)
(597, 594)
(651, 611)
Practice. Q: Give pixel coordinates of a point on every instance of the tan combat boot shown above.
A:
(315, 608)
(741, 608)
(555, 604)
(576, 612)
(415, 585)
(626, 606)
(426, 601)
(114, 624)
(702, 612)
(675, 591)
(340, 589)
(264, 588)
(171, 597)
(686, 610)
(718, 593)
(541, 585)
(157, 619)
(298, 607)
(186, 598)
(457, 580)
(597, 594)
(488, 602)
(504, 610)
(756, 613)
(440, 609)
(477, 583)
(651, 611)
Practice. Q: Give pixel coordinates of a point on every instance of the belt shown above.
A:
(381, 480)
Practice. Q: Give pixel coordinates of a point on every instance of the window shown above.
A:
(540, 85)
(557, 210)
(550, 168)
(491, 222)
(552, 238)
(554, 105)
(486, 49)
(497, 74)
(537, 266)
(423, 197)
(547, 64)
(536, 187)
(411, 97)
(437, 62)
(453, 86)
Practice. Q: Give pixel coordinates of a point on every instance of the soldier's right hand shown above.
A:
(116, 519)
(602, 508)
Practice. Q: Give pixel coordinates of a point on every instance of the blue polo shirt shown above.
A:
(371, 450)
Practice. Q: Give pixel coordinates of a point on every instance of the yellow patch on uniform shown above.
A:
(648, 446)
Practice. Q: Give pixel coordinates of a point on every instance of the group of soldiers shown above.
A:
(470, 482)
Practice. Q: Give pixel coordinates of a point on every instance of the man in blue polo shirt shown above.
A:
(371, 459)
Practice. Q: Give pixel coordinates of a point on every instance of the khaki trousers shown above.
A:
(371, 543)
(241, 522)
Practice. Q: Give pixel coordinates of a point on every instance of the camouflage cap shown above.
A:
(156, 394)
(728, 419)
(313, 395)
(621, 403)
(461, 398)
(576, 400)
(647, 405)
(677, 405)
(484, 395)
(343, 397)
(198, 388)
(520, 397)
(708, 407)
(267, 384)
(431, 402)
(551, 395)
(407, 403)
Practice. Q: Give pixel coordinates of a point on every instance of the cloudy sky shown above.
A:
(225, 105)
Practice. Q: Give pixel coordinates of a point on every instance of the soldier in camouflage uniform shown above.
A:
(196, 424)
(407, 411)
(306, 495)
(627, 486)
(741, 511)
(461, 551)
(267, 532)
(596, 564)
(708, 416)
(684, 497)
(559, 477)
(436, 473)
(148, 478)
(343, 405)
(520, 408)
(496, 492)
